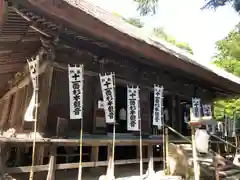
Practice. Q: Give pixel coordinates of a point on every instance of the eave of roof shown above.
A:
(107, 27)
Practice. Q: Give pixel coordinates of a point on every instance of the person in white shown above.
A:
(202, 140)
(123, 114)
(123, 119)
(165, 114)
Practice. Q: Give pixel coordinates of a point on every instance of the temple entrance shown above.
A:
(166, 111)
(185, 117)
(121, 110)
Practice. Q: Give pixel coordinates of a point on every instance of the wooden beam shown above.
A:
(26, 80)
(64, 67)
(39, 168)
(3, 13)
(30, 21)
(52, 163)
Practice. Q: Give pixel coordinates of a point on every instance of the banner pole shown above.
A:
(114, 128)
(80, 151)
(141, 155)
(36, 90)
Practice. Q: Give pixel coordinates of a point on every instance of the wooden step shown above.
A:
(227, 170)
(230, 172)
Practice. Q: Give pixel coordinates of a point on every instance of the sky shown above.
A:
(183, 20)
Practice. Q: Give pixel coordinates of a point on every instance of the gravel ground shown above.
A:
(126, 172)
(88, 173)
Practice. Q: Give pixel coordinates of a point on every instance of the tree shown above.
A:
(161, 33)
(147, 6)
(228, 58)
(217, 3)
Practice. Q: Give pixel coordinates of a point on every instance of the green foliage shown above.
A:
(228, 58)
(147, 6)
(217, 3)
(135, 22)
(161, 33)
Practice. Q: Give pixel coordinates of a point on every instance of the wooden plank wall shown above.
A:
(5, 110)
(13, 110)
(59, 104)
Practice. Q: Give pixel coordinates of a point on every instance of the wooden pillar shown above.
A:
(110, 167)
(44, 98)
(52, 163)
(150, 162)
(3, 155)
(94, 153)
(5, 112)
(173, 102)
(195, 157)
(88, 103)
(145, 110)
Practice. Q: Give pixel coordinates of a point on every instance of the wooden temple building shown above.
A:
(62, 32)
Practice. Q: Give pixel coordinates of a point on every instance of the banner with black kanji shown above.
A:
(33, 65)
(108, 92)
(196, 113)
(133, 109)
(158, 106)
(75, 77)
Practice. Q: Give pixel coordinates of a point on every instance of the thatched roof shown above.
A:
(79, 19)
(126, 28)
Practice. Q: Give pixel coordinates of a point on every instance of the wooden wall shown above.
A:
(59, 104)
(54, 93)
(14, 108)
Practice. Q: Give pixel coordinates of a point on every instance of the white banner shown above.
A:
(196, 109)
(75, 77)
(29, 114)
(108, 92)
(225, 125)
(207, 110)
(34, 70)
(33, 66)
(133, 109)
(234, 125)
(158, 106)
